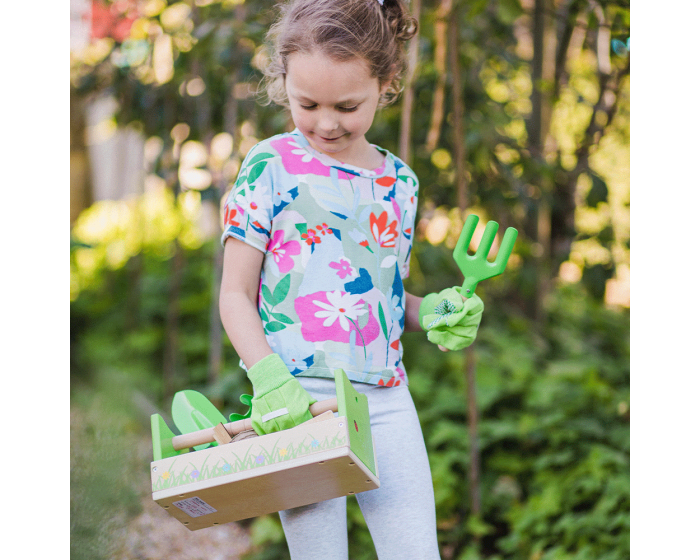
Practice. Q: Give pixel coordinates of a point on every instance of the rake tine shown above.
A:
(465, 237)
(505, 250)
(482, 252)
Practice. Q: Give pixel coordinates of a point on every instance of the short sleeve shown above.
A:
(407, 193)
(248, 208)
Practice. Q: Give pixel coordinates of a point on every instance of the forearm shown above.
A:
(243, 326)
(238, 301)
(412, 323)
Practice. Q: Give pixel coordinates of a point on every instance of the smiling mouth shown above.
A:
(330, 139)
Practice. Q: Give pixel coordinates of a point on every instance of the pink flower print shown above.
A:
(333, 316)
(310, 237)
(297, 160)
(383, 235)
(282, 253)
(344, 269)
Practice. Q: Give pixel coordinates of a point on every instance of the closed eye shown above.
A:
(342, 109)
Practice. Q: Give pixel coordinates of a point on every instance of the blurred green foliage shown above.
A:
(554, 406)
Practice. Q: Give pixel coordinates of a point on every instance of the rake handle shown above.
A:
(192, 439)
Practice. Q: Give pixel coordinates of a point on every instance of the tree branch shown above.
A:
(437, 114)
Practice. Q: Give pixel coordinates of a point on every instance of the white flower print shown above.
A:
(341, 306)
(306, 157)
(406, 194)
(258, 199)
(396, 308)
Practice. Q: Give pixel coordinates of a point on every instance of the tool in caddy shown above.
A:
(233, 474)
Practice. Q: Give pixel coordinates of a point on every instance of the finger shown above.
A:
(443, 348)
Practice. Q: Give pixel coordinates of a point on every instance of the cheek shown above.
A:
(361, 121)
(300, 118)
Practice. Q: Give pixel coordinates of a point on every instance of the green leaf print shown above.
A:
(282, 318)
(274, 326)
(267, 295)
(282, 289)
(256, 171)
(302, 228)
(382, 321)
(259, 157)
(406, 178)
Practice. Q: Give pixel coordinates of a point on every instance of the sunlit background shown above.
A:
(514, 110)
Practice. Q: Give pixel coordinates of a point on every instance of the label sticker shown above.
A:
(194, 507)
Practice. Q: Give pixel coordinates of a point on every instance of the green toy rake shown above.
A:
(476, 267)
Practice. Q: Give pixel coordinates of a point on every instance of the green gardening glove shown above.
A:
(451, 320)
(280, 402)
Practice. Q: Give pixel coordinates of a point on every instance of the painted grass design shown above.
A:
(255, 457)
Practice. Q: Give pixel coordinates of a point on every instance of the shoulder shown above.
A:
(403, 171)
(267, 148)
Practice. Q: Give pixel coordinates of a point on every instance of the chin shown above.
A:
(332, 146)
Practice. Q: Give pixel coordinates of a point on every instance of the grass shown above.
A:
(255, 457)
(104, 458)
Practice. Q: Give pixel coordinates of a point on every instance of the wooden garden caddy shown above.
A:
(327, 457)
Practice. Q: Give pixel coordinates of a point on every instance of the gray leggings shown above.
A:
(400, 514)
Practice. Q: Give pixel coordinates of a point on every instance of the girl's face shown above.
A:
(333, 104)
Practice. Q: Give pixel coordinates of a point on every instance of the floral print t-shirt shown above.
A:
(337, 241)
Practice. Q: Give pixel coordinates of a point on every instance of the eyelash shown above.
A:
(341, 109)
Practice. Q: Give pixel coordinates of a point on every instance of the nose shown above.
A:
(327, 121)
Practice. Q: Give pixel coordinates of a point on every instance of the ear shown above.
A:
(384, 87)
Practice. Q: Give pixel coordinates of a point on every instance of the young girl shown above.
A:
(318, 237)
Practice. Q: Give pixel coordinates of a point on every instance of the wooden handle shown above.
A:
(207, 435)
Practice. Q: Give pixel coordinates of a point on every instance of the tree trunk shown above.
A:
(80, 181)
(437, 114)
(409, 92)
(170, 162)
(172, 324)
(462, 201)
(538, 225)
(216, 331)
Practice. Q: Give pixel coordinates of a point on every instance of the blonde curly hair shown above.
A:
(342, 30)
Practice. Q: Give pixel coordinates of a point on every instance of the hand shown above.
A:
(451, 319)
(280, 402)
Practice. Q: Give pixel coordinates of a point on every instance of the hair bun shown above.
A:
(403, 25)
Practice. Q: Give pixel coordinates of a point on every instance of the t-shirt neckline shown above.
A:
(332, 162)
